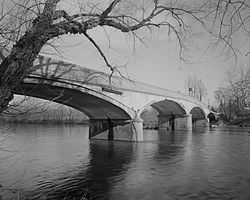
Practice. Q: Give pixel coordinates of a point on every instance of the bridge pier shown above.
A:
(201, 123)
(123, 130)
(183, 122)
(137, 130)
(163, 121)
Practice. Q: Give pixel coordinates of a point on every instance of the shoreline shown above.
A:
(69, 122)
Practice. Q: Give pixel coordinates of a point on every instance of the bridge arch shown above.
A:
(169, 106)
(95, 105)
(198, 113)
(157, 114)
(199, 118)
(211, 117)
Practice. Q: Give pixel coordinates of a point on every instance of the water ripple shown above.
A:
(203, 164)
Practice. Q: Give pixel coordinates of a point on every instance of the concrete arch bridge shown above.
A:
(118, 109)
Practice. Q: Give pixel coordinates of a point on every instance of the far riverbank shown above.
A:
(40, 111)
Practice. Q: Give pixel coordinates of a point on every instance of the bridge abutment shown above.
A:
(123, 130)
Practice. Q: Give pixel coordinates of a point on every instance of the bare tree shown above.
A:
(235, 95)
(239, 83)
(222, 96)
(196, 87)
(27, 26)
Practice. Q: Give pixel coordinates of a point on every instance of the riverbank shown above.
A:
(244, 122)
(57, 122)
(40, 111)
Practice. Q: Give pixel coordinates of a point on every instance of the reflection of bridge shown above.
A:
(116, 107)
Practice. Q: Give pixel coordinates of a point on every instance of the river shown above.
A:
(60, 162)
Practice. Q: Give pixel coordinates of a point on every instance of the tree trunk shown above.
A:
(19, 64)
(6, 96)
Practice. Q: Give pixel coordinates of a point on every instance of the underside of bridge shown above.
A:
(107, 120)
(94, 107)
(197, 113)
(169, 106)
(198, 117)
(166, 114)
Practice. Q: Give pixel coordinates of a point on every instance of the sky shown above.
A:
(155, 61)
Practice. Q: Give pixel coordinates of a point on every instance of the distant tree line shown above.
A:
(233, 97)
(33, 110)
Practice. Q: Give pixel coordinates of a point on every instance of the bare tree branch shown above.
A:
(27, 26)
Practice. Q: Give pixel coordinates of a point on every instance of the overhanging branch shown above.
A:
(99, 50)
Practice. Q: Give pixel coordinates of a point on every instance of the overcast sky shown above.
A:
(156, 62)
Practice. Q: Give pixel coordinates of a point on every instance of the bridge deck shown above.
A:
(53, 70)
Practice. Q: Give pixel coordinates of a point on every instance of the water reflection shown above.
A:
(109, 162)
(171, 144)
(107, 165)
(60, 162)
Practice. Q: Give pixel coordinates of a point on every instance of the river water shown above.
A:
(56, 162)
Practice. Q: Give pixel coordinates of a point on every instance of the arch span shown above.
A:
(197, 113)
(93, 106)
(199, 118)
(150, 117)
(169, 106)
(167, 114)
(212, 118)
